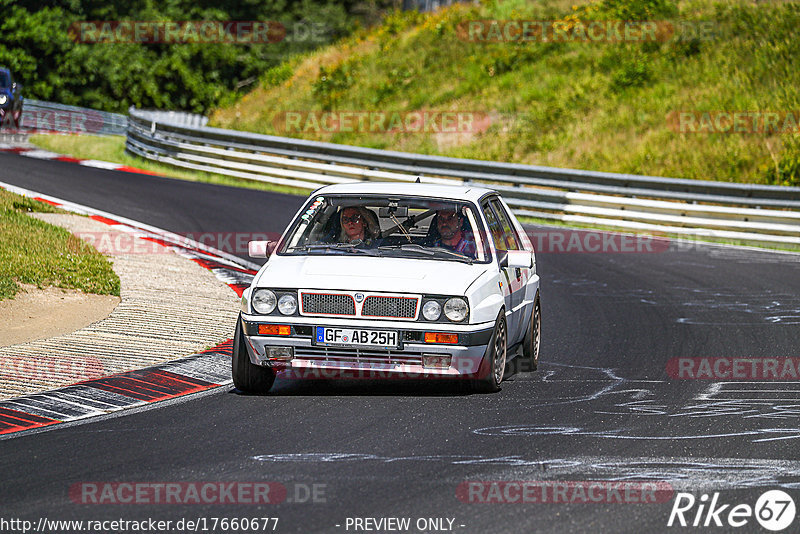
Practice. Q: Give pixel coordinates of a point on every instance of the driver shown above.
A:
(452, 233)
(357, 225)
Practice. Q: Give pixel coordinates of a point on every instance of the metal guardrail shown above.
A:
(427, 5)
(38, 115)
(745, 212)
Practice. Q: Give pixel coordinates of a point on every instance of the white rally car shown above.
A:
(391, 280)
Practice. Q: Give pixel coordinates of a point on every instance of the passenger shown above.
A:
(358, 226)
(454, 234)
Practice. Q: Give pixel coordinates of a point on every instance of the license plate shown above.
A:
(356, 336)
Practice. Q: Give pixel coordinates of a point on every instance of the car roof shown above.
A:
(455, 192)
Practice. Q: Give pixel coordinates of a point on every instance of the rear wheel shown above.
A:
(494, 362)
(530, 347)
(247, 377)
(16, 118)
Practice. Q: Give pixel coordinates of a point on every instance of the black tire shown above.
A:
(247, 377)
(533, 337)
(493, 365)
(16, 118)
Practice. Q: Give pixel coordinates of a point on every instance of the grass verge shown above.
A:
(37, 253)
(112, 148)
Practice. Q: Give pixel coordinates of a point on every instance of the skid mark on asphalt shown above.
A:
(755, 407)
(606, 376)
(747, 400)
(682, 473)
(772, 434)
(701, 306)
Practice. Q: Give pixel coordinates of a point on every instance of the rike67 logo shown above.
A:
(774, 510)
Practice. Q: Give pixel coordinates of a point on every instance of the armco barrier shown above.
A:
(38, 115)
(731, 211)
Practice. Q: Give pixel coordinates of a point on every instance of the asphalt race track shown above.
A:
(602, 406)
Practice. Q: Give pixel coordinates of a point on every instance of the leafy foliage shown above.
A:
(47, 59)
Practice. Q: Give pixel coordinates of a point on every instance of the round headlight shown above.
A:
(3, 99)
(287, 304)
(264, 301)
(456, 309)
(431, 310)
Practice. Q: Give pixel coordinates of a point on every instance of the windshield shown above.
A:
(4, 81)
(387, 226)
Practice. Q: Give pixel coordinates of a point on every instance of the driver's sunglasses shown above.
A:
(354, 219)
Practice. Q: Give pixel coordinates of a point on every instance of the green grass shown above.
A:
(112, 148)
(37, 253)
(598, 106)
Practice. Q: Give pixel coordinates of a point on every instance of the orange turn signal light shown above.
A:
(274, 330)
(439, 337)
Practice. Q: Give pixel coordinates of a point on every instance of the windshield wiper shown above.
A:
(349, 247)
(409, 246)
(449, 252)
(429, 251)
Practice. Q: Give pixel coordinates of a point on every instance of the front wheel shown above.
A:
(16, 118)
(493, 366)
(247, 377)
(533, 337)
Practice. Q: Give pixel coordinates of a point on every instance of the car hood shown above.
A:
(395, 275)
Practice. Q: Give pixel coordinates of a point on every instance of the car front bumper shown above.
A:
(413, 359)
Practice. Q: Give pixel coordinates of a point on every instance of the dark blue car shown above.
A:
(10, 99)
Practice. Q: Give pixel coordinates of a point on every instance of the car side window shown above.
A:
(509, 233)
(495, 228)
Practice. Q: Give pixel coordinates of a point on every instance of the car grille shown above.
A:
(403, 307)
(358, 355)
(328, 304)
(343, 304)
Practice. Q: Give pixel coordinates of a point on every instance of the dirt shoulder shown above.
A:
(41, 313)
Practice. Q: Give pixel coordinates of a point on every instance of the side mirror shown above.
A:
(520, 259)
(261, 249)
